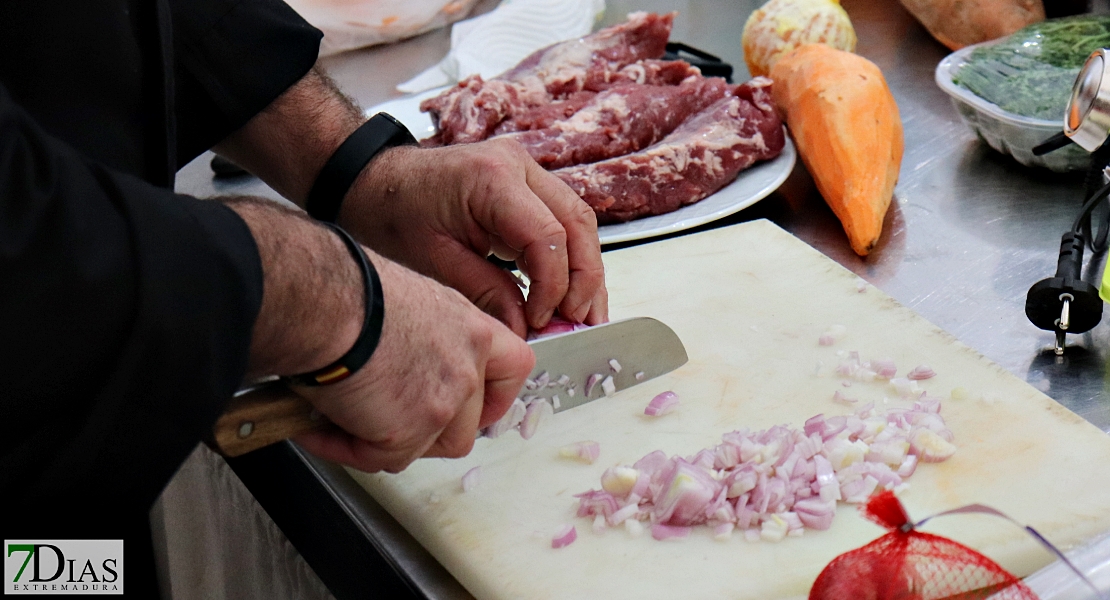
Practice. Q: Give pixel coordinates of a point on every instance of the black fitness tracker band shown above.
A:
(371, 332)
(379, 133)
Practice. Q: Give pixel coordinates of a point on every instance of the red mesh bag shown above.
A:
(906, 564)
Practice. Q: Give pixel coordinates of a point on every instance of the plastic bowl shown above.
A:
(1005, 131)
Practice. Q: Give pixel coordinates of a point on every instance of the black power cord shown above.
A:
(1065, 303)
(1095, 192)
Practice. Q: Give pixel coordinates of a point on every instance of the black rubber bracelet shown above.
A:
(371, 332)
(381, 132)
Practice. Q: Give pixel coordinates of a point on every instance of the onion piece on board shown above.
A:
(471, 478)
(564, 536)
(662, 404)
(921, 372)
(832, 335)
(669, 532)
(586, 451)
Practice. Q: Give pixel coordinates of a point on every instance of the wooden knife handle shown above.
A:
(262, 417)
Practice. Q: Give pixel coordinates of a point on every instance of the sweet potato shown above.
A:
(959, 23)
(845, 123)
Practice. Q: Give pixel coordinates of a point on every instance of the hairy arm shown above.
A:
(312, 299)
(290, 140)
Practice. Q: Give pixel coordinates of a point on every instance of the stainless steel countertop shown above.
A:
(968, 232)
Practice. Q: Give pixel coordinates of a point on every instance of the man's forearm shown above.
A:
(312, 301)
(288, 143)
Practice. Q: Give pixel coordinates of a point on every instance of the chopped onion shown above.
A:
(614, 365)
(623, 514)
(555, 326)
(639, 375)
(608, 386)
(470, 479)
(921, 372)
(840, 398)
(906, 387)
(723, 531)
(587, 451)
(564, 536)
(556, 403)
(563, 380)
(908, 466)
(534, 411)
(669, 532)
(510, 419)
(662, 404)
(599, 524)
(634, 527)
(929, 446)
(687, 492)
(773, 529)
(832, 335)
(776, 482)
(592, 381)
(884, 368)
(619, 480)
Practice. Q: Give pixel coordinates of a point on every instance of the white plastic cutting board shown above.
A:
(750, 302)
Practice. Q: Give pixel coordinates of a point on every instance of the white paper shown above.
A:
(494, 42)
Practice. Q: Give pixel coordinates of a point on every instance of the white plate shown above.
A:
(751, 186)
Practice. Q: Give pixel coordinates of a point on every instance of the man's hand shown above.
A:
(441, 211)
(441, 370)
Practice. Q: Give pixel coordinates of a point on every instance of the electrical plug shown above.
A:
(1065, 303)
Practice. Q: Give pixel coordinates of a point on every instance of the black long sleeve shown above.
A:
(125, 310)
(125, 319)
(233, 57)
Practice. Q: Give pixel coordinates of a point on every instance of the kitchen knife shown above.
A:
(630, 351)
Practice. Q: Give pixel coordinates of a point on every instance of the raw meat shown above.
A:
(647, 72)
(471, 110)
(545, 115)
(620, 120)
(700, 157)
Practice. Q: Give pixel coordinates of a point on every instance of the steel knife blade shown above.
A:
(640, 349)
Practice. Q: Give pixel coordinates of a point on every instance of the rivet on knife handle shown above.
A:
(262, 417)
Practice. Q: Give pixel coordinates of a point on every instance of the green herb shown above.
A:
(1031, 72)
